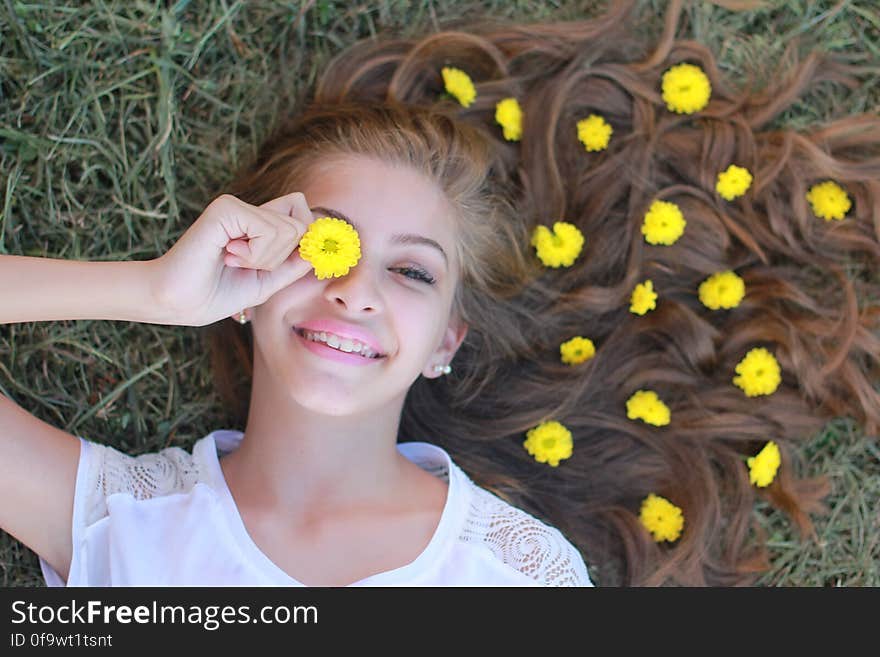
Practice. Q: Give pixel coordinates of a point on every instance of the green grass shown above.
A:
(118, 120)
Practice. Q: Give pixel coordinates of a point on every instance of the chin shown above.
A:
(319, 399)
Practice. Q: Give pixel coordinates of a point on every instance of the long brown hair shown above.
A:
(384, 98)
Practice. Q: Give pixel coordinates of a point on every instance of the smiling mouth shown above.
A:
(301, 333)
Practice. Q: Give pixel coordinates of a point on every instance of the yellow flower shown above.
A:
(331, 245)
(559, 248)
(759, 373)
(643, 298)
(686, 89)
(733, 182)
(594, 132)
(723, 289)
(508, 114)
(645, 405)
(763, 466)
(829, 200)
(549, 442)
(663, 224)
(458, 83)
(577, 350)
(662, 518)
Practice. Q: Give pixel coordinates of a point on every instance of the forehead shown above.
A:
(383, 198)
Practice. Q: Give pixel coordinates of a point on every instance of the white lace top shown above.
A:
(168, 519)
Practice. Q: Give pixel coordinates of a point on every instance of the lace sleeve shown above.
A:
(147, 475)
(523, 542)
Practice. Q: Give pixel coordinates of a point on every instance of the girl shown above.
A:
(586, 390)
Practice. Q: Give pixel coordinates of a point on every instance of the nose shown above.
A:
(357, 290)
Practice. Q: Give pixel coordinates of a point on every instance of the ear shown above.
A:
(452, 339)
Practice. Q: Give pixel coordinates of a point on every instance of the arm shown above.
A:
(45, 289)
(38, 462)
(38, 465)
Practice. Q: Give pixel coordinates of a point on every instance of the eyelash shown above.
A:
(421, 274)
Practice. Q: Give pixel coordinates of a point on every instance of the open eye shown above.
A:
(418, 274)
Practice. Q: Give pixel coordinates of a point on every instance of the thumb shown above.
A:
(289, 271)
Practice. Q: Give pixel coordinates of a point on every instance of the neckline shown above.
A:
(416, 451)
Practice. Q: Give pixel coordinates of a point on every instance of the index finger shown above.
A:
(293, 205)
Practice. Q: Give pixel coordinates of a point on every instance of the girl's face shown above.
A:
(385, 295)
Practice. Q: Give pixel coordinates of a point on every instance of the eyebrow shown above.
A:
(397, 238)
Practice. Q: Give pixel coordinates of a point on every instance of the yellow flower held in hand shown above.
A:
(733, 182)
(663, 224)
(549, 442)
(763, 466)
(645, 405)
(686, 89)
(594, 132)
(577, 350)
(759, 373)
(829, 200)
(643, 298)
(331, 245)
(459, 84)
(508, 114)
(662, 518)
(723, 289)
(559, 248)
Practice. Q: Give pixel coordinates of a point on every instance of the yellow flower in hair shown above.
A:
(645, 405)
(663, 224)
(733, 182)
(829, 200)
(686, 89)
(759, 373)
(723, 289)
(643, 298)
(331, 245)
(549, 442)
(594, 132)
(763, 466)
(559, 248)
(508, 114)
(577, 350)
(662, 518)
(459, 84)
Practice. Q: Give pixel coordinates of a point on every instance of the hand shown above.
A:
(234, 256)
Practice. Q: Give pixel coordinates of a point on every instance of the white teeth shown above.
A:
(342, 344)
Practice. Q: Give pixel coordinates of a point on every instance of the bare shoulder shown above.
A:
(425, 491)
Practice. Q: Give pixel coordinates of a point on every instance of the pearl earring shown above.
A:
(446, 369)
(242, 318)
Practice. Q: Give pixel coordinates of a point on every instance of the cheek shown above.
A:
(300, 290)
(419, 326)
